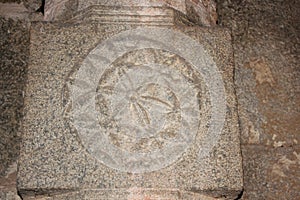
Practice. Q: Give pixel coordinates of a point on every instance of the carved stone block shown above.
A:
(125, 110)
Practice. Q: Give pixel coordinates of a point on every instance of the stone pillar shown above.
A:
(129, 102)
(201, 12)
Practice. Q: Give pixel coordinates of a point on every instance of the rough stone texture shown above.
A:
(32, 5)
(14, 48)
(58, 10)
(8, 190)
(54, 158)
(268, 29)
(130, 15)
(10, 1)
(24, 11)
(133, 194)
(201, 12)
(267, 78)
(178, 5)
(271, 173)
(13, 11)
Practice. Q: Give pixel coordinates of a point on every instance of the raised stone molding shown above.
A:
(131, 15)
(202, 12)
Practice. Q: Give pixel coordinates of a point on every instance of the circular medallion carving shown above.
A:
(135, 99)
(144, 105)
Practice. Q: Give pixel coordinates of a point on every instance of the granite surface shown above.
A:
(14, 54)
(267, 78)
(200, 12)
(73, 142)
(14, 58)
(13, 11)
(135, 15)
(265, 33)
(120, 194)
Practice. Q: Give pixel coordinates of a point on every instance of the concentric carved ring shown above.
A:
(135, 101)
(144, 106)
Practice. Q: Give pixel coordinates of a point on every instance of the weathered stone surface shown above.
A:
(131, 15)
(10, 1)
(8, 189)
(32, 5)
(132, 194)
(202, 12)
(63, 148)
(266, 45)
(9, 195)
(267, 78)
(14, 56)
(13, 11)
(271, 173)
(199, 12)
(25, 11)
(14, 52)
(178, 5)
(56, 10)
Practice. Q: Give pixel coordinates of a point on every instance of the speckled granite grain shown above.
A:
(266, 45)
(14, 53)
(53, 159)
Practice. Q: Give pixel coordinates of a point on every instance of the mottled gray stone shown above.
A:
(13, 62)
(130, 15)
(14, 54)
(61, 148)
(178, 4)
(202, 12)
(271, 173)
(121, 194)
(13, 11)
(267, 79)
(199, 12)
